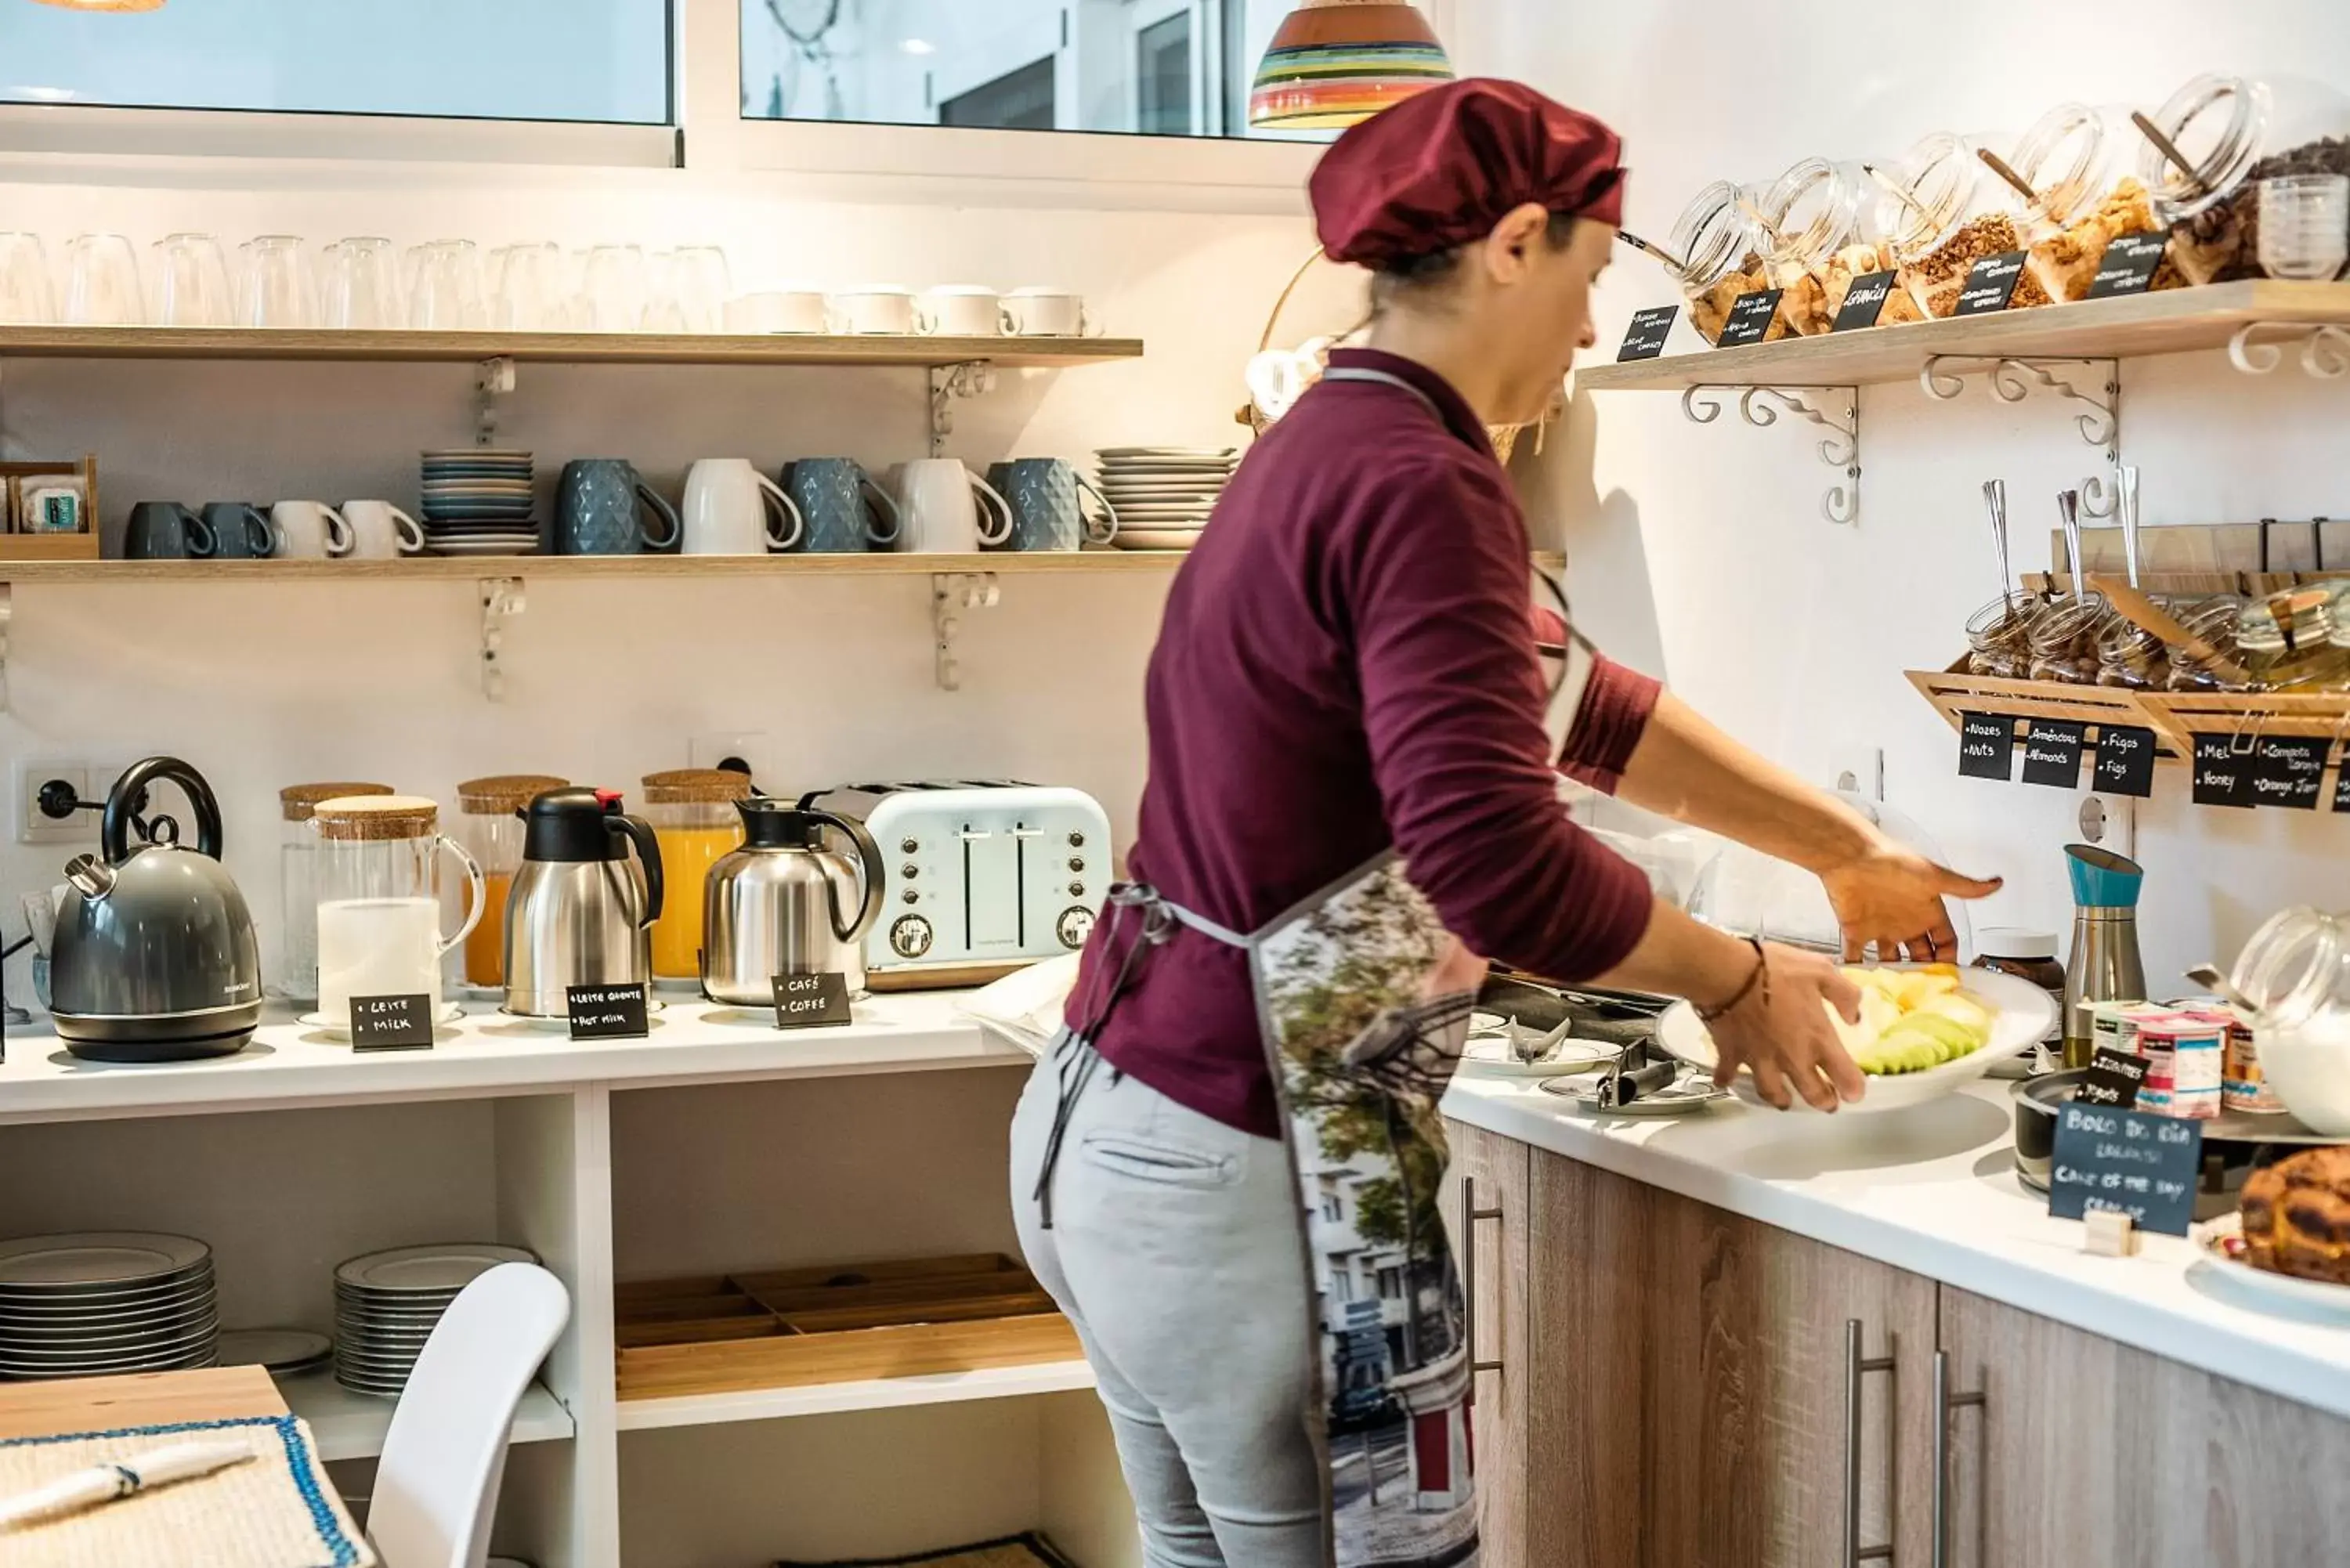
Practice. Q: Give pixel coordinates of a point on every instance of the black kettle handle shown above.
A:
(871, 872)
(122, 803)
(648, 852)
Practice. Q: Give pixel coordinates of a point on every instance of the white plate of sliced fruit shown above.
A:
(1924, 1029)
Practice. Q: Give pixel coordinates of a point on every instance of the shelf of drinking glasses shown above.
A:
(552, 348)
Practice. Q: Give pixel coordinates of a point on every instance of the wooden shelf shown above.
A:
(350, 1426)
(552, 348)
(872, 1394)
(437, 568)
(2175, 321)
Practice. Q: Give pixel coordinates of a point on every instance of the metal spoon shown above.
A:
(2126, 503)
(2068, 507)
(2218, 985)
(1995, 502)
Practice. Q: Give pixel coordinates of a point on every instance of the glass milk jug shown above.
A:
(489, 823)
(297, 884)
(379, 910)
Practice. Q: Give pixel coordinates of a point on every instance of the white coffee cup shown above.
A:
(308, 531)
(779, 310)
(946, 509)
(727, 508)
(1046, 313)
(960, 310)
(866, 310)
(381, 532)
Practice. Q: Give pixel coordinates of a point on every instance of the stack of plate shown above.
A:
(1164, 494)
(479, 501)
(386, 1304)
(105, 1302)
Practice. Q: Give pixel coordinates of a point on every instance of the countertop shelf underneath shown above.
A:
(871, 1393)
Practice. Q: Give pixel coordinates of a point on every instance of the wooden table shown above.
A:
(150, 1399)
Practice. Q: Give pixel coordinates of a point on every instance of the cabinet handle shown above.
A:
(1944, 1403)
(1855, 1367)
(1470, 1216)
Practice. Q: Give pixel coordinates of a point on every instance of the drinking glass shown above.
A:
(102, 281)
(362, 287)
(2304, 225)
(192, 283)
(25, 282)
(533, 288)
(444, 287)
(700, 286)
(614, 289)
(278, 290)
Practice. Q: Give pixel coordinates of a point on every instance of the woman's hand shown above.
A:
(1780, 1031)
(1890, 895)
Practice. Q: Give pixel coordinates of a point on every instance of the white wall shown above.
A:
(1700, 553)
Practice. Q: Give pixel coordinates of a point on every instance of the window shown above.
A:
(1019, 101)
(1334, 1208)
(575, 60)
(1162, 76)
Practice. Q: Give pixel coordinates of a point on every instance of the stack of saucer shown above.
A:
(105, 1302)
(479, 501)
(1164, 494)
(387, 1305)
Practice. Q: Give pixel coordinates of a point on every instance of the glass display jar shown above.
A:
(2212, 622)
(1999, 637)
(379, 904)
(2219, 124)
(2084, 200)
(693, 819)
(297, 884)
(2130, 657)
(2064, 640)
(490, 826)
(1939, 212)
(1720, 249)
(2285, 643)
(1810, 224)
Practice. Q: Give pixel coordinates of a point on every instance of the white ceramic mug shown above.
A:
(381, 532)
(946, 509)
(1047, 313)
(802, 310)
(727, 508)
(308, 531)
(959, 311)
(863, 310)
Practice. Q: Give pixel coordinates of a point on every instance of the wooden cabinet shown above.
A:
(1497, 1286)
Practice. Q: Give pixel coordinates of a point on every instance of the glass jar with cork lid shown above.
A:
(1716, 257)
(490, 826)
(692, 814)
(379, 900)
(297, 884)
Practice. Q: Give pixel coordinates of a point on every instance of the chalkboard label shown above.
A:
(2125, 761)
(2289, 770)
(1645, 337)
(2145, 1166)
(811, 1001)
(2223, 775)
(608, 1011)
(2129, 263)
(1863, 301)
(391, 1023)
(1750, 318)
(2052, 752)
(2341, 790)
(1986, 746)
(2114, 1079)
(1990, 284)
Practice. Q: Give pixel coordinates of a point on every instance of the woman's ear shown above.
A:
(1508, 249)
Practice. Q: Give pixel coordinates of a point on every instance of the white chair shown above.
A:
(436, 1486)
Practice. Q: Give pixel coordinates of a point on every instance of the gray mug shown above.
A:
(166, 531)
(845, 511)
(240, 531)
(1046, 511)
(596, 511)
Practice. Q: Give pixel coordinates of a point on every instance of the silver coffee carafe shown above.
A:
(785, 904)
(581, 909)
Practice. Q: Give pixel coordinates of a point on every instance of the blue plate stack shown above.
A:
(479, 501)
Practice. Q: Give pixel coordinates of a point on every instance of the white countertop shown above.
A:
(1933, 1190)
(486, 1053)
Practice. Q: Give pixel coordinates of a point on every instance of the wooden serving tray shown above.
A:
(1955, 691)
(790, 1328)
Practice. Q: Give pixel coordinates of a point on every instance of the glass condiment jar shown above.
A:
(2285, 643)
(379, 903)
(2030, 956)
(490, 826)
(1999, 637)
(2084, 200)
(693, 819)
(2064, 640)
(2130, 657)
(1939, 212)
(2295, 971)
(2219, 124)
(1811, 217)
(2212, 623)
(297, 884)
(1719, 247)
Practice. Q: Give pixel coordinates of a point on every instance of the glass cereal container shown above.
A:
(1717, 256)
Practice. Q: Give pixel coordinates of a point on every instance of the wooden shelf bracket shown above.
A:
(971, 378)
(1943, 378)
(954, 594)
(2325, 348)
(501, 600)
(1762, 406)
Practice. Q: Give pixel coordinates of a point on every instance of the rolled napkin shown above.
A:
(108, 1483)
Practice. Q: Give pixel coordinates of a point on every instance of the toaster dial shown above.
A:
(1076, 924)
(910, 937)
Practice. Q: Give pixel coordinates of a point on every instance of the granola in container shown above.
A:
(1939, 212)
(2082, 201)
(1721, 247)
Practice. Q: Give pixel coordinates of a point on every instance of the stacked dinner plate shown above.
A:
(386, 1304)
(105, 1302)
(1164, 494)
(479, 501)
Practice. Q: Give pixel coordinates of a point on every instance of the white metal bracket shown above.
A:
(7, 613)
(1703, 405)
(954, 594)
(2012, 381)
(971, 378)
(2325, 350)
(492, 380)
(501, 601)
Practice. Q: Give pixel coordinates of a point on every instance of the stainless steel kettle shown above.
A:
(785, 903)
(155, 957)
(580, 912)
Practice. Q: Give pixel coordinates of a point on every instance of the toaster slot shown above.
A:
(991, 890)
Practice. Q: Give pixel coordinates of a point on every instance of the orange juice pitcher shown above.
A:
(489, 825)
(693, 819)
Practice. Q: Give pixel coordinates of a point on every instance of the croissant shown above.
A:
(2296, 1216)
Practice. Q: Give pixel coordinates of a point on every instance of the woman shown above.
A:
(1352, 804)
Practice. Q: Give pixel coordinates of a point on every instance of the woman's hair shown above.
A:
(1422, 278)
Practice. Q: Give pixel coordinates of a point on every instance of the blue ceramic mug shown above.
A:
(846, 512)
(240, 531)
(1047, 510)
(595, 512)
(166, 531)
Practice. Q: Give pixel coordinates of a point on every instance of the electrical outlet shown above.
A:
(2110, 822)
(1858, 770)
(36, 826)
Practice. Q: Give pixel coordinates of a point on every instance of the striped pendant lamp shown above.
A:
(1335, 62)
(105, 5)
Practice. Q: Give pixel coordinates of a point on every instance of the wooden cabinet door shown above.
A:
(1687, 1406)
(1497, 1424)
(2086, 1450)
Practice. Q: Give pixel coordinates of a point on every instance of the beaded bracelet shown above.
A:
(1761, 976)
